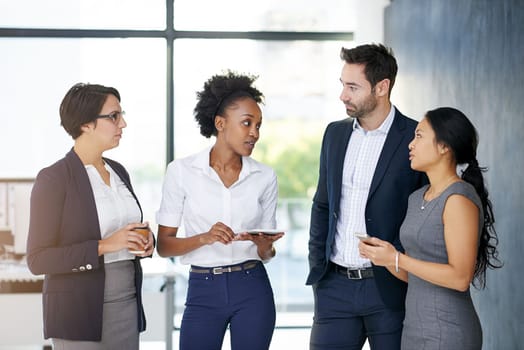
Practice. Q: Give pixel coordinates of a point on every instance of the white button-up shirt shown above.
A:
(116, 207)
(194, 193)
(360, 162)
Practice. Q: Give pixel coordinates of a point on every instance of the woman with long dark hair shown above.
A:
(448, 236)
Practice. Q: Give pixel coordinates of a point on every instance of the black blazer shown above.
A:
(63, 244)
(392, 183)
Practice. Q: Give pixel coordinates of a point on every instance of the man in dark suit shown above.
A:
(364, 182)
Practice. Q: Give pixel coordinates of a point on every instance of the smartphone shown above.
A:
(361, 235)
(364, 238)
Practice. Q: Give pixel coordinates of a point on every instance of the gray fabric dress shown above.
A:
(436, 317)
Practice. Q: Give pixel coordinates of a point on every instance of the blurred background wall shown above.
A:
(469, 54)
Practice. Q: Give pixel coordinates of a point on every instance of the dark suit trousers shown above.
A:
(349, 311)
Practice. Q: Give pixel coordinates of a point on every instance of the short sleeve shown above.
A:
(173, 196)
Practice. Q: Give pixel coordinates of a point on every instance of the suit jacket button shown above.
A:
(82, 268)
(75, 270)
(89, 266)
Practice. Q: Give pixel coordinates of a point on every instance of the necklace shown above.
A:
(446, 184)
(424, 203)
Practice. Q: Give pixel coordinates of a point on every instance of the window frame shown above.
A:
(170, 34)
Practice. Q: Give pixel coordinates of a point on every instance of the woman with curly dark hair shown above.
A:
(221, 193)
(448, 235)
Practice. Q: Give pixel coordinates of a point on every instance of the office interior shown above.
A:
(465, 54)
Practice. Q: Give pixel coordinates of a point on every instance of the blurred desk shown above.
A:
(160, 312)
(21, 307)
(16, 278)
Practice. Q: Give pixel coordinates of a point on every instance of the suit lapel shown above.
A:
(339, 155)
(391, 145)
(84, 190)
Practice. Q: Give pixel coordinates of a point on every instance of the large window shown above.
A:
(158, 54)
(299, 101)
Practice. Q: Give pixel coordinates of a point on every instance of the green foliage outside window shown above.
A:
(293, 154)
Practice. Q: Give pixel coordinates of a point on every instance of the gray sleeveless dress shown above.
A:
(436, 317)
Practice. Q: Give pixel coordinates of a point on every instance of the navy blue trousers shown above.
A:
(349, 311)
(242, 300)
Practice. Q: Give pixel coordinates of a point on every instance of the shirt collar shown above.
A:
(201, 161)
(383, 128)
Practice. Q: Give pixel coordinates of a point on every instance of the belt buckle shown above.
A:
(221, 270)
(359, 277)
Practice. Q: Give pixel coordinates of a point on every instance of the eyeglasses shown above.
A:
(115, 117)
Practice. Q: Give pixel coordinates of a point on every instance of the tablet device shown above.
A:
(265, 231)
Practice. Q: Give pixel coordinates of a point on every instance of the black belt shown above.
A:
(223, 269)
(351, 273)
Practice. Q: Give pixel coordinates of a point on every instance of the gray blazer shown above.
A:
(63, 244)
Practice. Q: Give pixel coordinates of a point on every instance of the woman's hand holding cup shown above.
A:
(144, 242)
